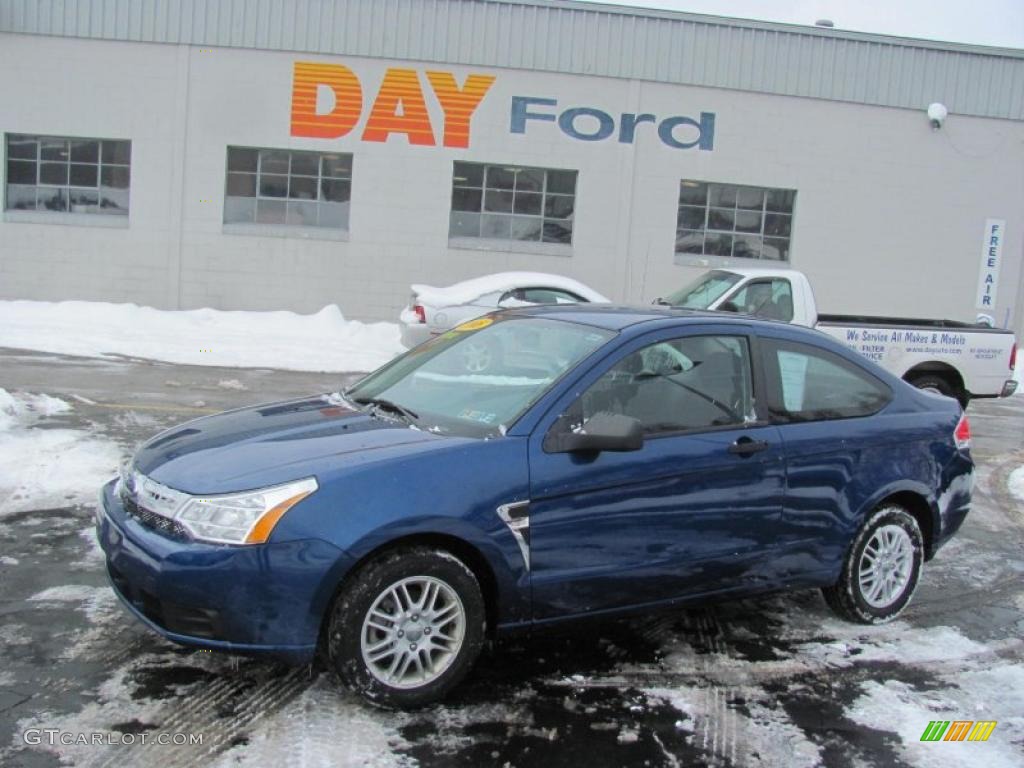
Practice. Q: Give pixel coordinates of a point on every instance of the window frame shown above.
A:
(583, 385)
(285, 227)
(98, 215)
(544, 192)
(764, 212)
(774, 400)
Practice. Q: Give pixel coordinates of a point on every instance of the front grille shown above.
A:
(152, 520)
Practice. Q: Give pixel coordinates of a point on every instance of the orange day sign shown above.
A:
(400, 106)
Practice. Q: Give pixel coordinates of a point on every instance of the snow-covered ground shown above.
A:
(324, 341)
(45, 466)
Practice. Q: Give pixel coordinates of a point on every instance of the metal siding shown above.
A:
(571, 37)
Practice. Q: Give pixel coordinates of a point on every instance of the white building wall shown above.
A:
(888, 219)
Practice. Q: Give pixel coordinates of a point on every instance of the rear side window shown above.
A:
(550, 296)
(813, 384)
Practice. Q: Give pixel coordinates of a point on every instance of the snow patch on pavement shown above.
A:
(74, 593)
(994, 693)
(1016, 484)
(324, 341)
(42, 466)
(760, 732)
(113, 705)
(324, 727)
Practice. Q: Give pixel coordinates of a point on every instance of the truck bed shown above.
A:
(907, 322)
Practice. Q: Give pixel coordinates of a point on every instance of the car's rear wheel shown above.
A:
(940, 385)
(881, 569)
(407, 627)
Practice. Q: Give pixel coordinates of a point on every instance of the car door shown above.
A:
(693, 511)
(822, 404)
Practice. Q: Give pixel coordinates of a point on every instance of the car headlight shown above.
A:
(242, 518)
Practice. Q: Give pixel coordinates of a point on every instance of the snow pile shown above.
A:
(468, 290)
(324, 341)
(24, 408)
(41, 466)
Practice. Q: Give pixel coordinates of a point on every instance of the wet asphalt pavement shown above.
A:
(766, 681)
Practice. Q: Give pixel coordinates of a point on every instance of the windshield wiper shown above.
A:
(387, 405)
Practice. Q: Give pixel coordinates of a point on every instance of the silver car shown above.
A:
(433, 310)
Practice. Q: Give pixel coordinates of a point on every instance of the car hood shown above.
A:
(268, 444)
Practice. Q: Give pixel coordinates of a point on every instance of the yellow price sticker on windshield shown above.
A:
(474, 325)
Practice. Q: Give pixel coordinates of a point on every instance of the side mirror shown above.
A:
(602, 432)
(728, 306)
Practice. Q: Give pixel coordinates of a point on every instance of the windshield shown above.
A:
(480, 377)
(704, 292)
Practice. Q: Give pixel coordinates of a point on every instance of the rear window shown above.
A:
(813, 384)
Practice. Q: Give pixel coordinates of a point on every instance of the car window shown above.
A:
(481, 375)
(698, 382)
(814, 384)
(704, 292)
(550, 296)
(772, 299)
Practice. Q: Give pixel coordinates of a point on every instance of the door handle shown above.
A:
(747, 446)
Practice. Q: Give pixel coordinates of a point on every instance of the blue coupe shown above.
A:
(610, 460)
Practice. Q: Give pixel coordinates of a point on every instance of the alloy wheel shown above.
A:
(413, 632)
(886, 566)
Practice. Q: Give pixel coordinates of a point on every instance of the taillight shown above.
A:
(421, 314)
(962, 434)
(1013, 356)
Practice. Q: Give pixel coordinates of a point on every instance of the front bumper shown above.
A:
(264, 599)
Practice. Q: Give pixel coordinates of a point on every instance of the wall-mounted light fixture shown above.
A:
(937, 115)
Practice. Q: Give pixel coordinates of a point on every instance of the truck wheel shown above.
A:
(881, 569)
(932, 383)
(407, 628)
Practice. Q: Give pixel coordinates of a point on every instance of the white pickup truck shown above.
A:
(956, 359)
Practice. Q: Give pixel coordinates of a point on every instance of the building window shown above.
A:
(68, 175)
(512, 203)
(288, 187)
(736, 221)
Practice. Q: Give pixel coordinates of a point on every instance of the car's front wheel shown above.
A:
(407, 627)
(881, 569)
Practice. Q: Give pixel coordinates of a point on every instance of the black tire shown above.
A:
(847, 597)
(352, 606)
(941, 385)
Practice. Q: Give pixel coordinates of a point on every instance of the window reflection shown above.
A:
(731, 220)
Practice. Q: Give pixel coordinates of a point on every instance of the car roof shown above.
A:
(615, 317)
